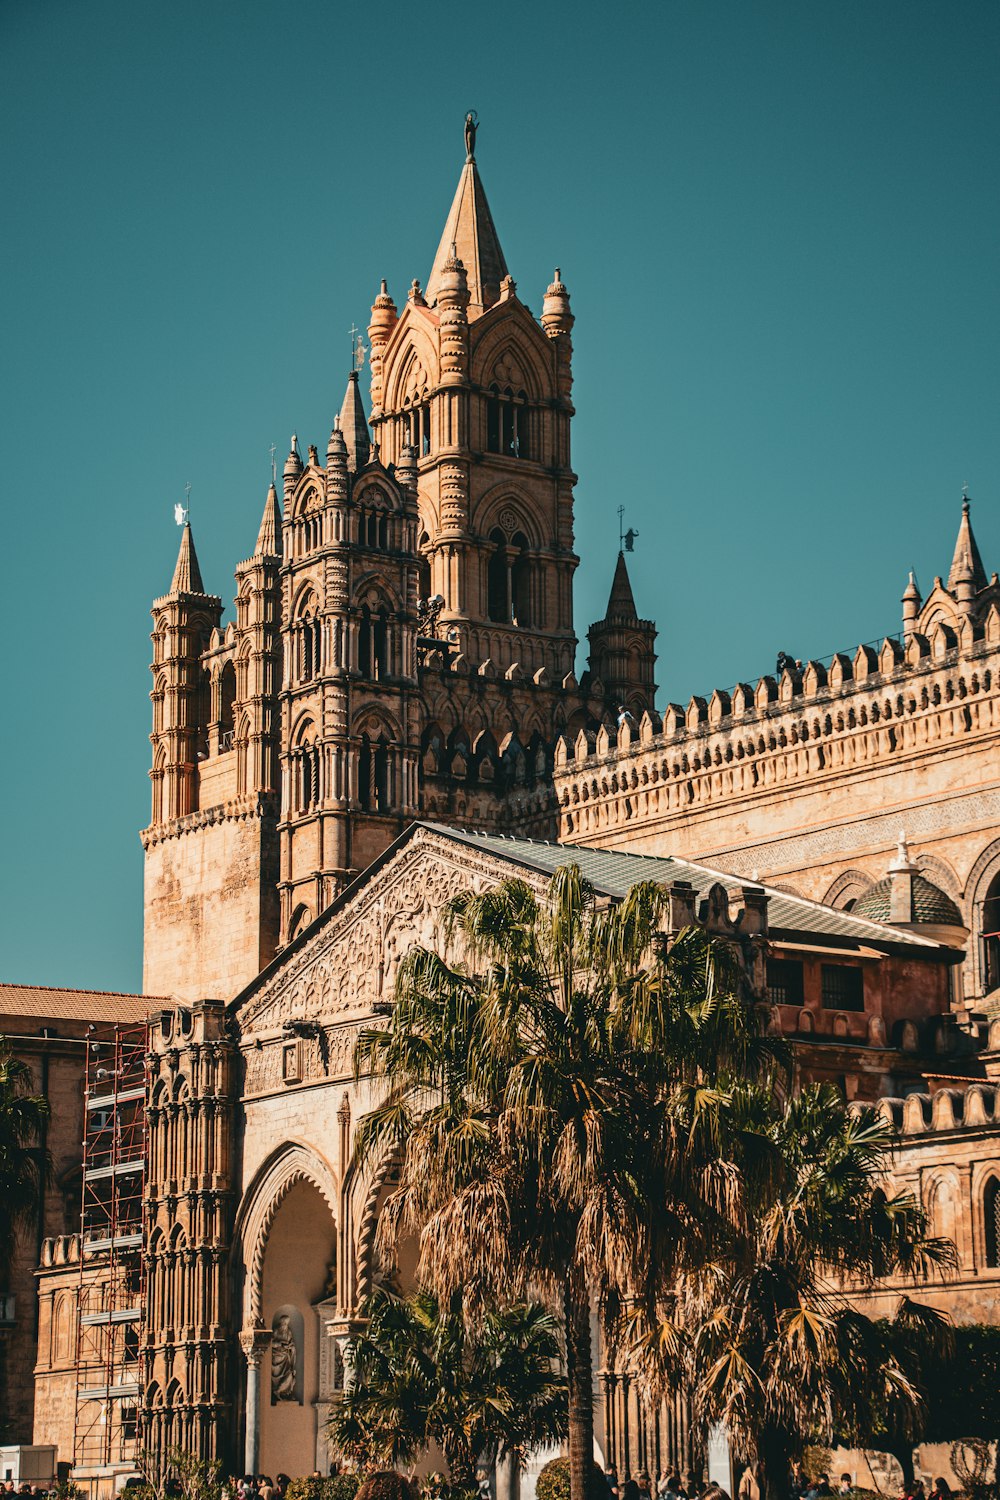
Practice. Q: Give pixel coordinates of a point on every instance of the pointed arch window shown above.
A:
(423, 567)
(373, 643)
(227, 704)
(991, 1221)
(508, 422)
(373, 774)
(509, 579)
(305, 771)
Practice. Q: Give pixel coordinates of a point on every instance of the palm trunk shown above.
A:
(775, 1449)
(580, 1381)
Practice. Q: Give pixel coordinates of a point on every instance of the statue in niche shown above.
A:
(286, 1356)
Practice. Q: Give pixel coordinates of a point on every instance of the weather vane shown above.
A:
(358, 349)
(274, 467)
(181, 512)
(626, 539)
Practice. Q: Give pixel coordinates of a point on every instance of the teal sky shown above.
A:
(780, 227)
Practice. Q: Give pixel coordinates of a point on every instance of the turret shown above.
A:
(293, 468)
(623, 650)
(383, 321)
(336, 466)
(967, 575)
(556, 316)
(183, 620)
(911, 606)
(452, 302)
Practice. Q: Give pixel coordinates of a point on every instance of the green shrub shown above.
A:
(385, 1484)
(303, 1488)
(340, 1486)
(553, 1482)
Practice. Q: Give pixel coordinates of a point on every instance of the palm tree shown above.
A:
(421, 1376)
(770, 1333)
(554, 1082)
(22, 1163)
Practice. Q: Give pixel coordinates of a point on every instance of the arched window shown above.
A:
(424, 567)
(227, 700)
(991, 1221)
(991, 936)
(493, 421)
(305, 791)
(520, 581)
(373, 774)
(373, 643)
(509, 579)
(498, 580)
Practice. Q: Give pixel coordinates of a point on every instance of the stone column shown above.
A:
(253, 1342)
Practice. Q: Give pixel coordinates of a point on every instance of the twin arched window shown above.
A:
(373, 643)
(373, 774)
(509, 579)
(373, 529)
(508, 423)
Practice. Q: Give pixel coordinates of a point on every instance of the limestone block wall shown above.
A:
(54, 1373)
(809, 780)
(210, 902)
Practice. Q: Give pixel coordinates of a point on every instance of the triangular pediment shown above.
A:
(343, 966)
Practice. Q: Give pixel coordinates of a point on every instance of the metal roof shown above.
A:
(613, 873)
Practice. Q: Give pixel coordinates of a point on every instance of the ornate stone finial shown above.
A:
(416, 296)
(471, 126)
(902, 862)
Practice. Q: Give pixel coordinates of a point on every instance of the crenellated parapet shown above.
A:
(814, 722)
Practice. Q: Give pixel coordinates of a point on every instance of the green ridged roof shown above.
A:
(929, 903)
(614, 873)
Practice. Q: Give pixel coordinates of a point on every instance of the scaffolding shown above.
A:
(108, 1378)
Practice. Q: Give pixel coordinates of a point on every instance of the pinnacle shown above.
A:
(966, 563)
(269, 535)
(470, 237)
(621, 604)
(187, 574)
(354, 425)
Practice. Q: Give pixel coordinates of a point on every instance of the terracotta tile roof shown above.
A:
(76, 1005)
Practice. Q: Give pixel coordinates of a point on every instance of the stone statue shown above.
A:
(471, 126)
(284, 1361)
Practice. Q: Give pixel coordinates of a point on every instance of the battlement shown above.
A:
(970, 1108)
(812, 721)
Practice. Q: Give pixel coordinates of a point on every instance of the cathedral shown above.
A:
(391, 715)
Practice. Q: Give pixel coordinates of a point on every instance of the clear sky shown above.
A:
(780, 227)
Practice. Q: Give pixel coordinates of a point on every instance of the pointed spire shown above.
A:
(621, 605)
(470, 236)
(187, 574)
(269, 535)
(966, 565)
(354, 425)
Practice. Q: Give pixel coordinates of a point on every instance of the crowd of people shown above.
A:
(672, 1486)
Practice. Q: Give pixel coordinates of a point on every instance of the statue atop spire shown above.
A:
(471, 126)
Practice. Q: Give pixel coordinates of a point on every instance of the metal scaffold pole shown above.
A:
(108, 1378)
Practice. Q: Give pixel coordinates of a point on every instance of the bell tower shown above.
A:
(481, 389)
(350, 734)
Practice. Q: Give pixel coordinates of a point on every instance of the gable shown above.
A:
(345, 964)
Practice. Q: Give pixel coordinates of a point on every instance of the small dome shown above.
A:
(929, 903)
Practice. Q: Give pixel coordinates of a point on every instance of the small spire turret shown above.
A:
(967, 575)
(354, 425)
(269, 535)
(383, 320)
(911, 605)
(556, 316)
(187, 573)
(293, 468)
